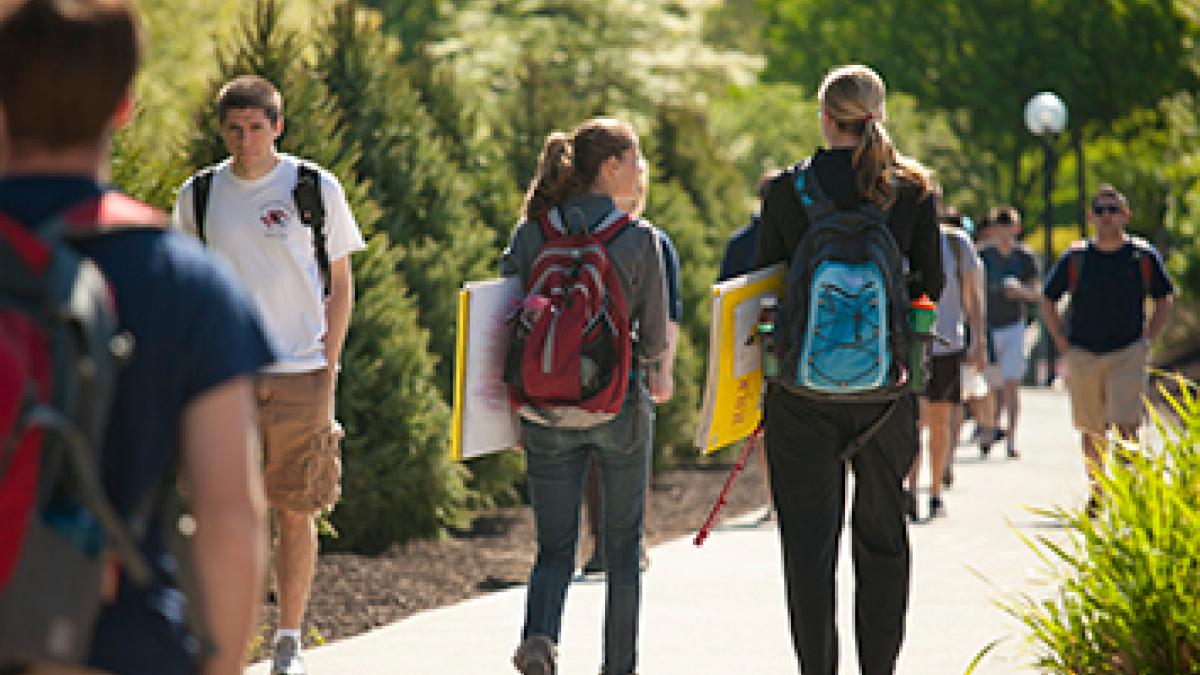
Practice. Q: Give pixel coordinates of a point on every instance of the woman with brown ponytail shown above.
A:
(580, 178)
(805, 436)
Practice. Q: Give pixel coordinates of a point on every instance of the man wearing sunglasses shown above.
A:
(1107, 336)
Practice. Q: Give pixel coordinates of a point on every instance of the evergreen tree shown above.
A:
(424, 200)
(493, 189)
(427, 202)
(398, 480)
(670, 208)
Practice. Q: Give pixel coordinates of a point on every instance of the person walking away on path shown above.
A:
(1106, 341)
(804, 436)
(593, 500)
(1012, 276)
(961, 303)
(739, 258)
(579, 178)
(184, 398)
(300, 278)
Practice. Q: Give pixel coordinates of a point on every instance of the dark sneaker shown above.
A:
(910, 505)
(594, 565)
(1012, 450)
(286, 660)
(936, 508)
(948, 476)
(536, 656)
(987, 437)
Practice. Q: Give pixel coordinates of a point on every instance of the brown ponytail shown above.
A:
(854, 98)
(569, 165)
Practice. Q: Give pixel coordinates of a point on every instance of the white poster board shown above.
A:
(484, 420)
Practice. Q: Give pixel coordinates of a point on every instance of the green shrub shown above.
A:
(1127, 579)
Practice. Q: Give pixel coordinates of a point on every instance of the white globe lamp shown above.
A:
(1045, 113)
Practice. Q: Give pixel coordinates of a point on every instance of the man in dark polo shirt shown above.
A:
(1107, 336)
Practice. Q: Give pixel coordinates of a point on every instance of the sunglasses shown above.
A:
(1101, 209)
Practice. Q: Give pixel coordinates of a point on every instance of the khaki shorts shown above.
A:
(1107, 389)
(303, 463)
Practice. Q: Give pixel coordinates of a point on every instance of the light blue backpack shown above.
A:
(845, 331)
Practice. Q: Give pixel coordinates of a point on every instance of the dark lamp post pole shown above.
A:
(1046, 117)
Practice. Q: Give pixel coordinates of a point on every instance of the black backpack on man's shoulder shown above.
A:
(309, 205)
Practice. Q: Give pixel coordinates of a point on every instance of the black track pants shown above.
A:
(808, 484)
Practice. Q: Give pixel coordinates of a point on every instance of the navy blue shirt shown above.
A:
(671, 269)
(1107, 311)
(193, 329)
(740, 252)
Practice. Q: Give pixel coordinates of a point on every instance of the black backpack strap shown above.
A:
(201, 188)
(311, 208)
(860, 441)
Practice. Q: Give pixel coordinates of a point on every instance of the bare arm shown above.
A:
(337, 310)
(1054, 324)
(220, 470)
(662, 373)
(972, 300)
(1158, 320)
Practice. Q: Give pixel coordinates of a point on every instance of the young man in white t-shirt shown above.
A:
(250, 217)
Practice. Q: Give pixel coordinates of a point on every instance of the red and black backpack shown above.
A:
(60, 352)
(571, 345)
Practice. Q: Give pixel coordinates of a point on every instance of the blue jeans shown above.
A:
(555, 463)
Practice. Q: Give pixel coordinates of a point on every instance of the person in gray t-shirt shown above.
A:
(961, 305)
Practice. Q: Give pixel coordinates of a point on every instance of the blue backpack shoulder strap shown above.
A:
(812, 196)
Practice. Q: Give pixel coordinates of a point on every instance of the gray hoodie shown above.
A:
(635, 254)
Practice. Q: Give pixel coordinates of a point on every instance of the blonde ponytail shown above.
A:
(854, 97)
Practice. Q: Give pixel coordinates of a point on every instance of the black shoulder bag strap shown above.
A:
(201, 188)
(311, 208)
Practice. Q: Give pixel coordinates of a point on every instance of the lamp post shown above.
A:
(1046, 117)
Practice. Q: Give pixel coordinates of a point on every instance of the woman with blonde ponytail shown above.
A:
(805, 436)
(581, 178)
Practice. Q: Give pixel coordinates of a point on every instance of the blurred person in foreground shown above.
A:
(184, 399)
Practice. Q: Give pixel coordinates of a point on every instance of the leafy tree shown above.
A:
(1105, 59)
(546, 64)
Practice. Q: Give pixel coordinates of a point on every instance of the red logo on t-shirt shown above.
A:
(274, 218)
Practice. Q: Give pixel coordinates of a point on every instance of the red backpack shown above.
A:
(60, 352)
(571, 345)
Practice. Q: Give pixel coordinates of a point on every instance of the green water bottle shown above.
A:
(922, 314)
(767, 306)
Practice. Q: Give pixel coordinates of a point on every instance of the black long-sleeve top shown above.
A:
(912, 219)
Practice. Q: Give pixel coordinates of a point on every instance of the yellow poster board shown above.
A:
(733, 387)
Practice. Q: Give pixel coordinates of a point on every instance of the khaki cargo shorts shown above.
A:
(300, 440)
(1107, 389)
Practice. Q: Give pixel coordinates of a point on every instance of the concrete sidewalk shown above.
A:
(719, 609)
